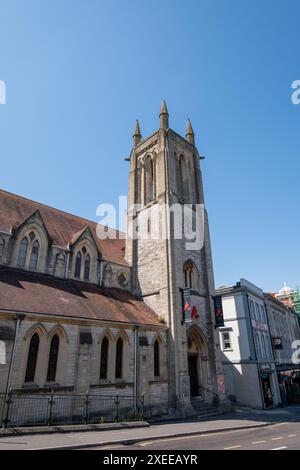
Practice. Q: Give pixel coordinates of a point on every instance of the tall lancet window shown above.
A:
(184, 181)
(119, 359)
(32, 358)
(53, 358)
(180, 171)
(86, 273)
(2, 243)
(34, 255)
(149, 180)
(139, 185)
(190, 275)
(156, 359)
(22, 253)
(77, 265)
(104, 358)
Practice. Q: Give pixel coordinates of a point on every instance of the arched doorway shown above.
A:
(198, 364)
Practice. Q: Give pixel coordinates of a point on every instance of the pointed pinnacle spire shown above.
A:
(137, 133)
(163, 108)
(164, 116)
(189, 133)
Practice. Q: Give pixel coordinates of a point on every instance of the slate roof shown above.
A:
(27, 292)
(62, 227)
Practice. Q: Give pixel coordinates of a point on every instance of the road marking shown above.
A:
(192, 436)
(169, 439)
(292, 435)
(258, 442)
(232, 447)
(276, 438)
(279, 448)
(112, 447)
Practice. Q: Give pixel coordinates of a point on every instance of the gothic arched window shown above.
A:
(119, 359)
(190, 275)
(34, 255)
(60, 265)
(181, 177)
(2, 243)
(32, 358)
(156, 359)
(53, 358)
(22, 252)
(139, 185)
(77, 265)
(104, 358)
(86, 274)
(184, 190)
(82, 269)
(149, 180)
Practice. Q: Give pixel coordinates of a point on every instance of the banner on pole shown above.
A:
(219, 318)
(186, 305)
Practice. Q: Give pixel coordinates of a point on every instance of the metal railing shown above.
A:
(214, 395)
(50, 409)
(208, 390)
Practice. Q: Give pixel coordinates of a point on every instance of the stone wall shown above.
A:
(78, 367)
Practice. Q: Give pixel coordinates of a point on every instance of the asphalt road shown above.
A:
(283, 436)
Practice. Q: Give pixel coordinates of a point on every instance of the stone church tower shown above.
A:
(165, 173)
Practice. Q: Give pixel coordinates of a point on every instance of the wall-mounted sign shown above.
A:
(277, 343)
(221, 383)
(219, 319)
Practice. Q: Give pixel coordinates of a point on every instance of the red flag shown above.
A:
(195, 313)
(218, 312)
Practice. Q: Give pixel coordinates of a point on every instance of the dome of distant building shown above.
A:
(285, 290)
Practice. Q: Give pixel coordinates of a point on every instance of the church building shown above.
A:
(79, 313)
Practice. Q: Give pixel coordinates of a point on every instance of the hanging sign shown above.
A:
(219, 319)
(186, 306)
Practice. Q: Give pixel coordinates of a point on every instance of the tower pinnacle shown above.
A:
(164, 116)
(189, 133)
(137, 136)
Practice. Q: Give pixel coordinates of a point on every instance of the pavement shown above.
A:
(242, 420)
(280, 436)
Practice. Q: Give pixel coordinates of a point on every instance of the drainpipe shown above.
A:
(18, 319)
(135, 366)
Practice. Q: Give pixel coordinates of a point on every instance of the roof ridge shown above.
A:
(67, 280)
(58, 210)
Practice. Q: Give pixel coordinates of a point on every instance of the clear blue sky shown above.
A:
(79, 72)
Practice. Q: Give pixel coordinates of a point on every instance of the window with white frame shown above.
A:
(258, 345)
(252, 312)
(258, 316)
(269, 346)
(226, 340)
(264, 347)
(263, 313)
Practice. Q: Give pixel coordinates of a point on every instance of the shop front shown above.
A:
(289, 383)
(269, 389)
